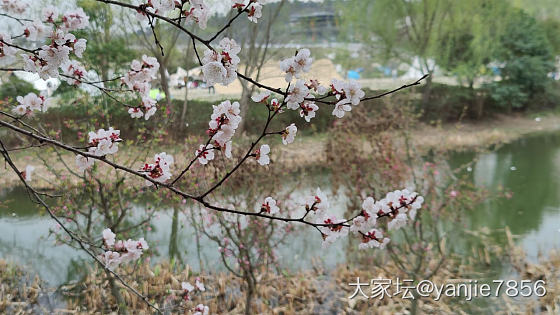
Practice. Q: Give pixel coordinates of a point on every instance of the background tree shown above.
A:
(256, 51)
(527, 59)
(104, 37)
(470, 38)
(402, 29)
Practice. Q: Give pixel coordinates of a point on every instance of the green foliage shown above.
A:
(103, 40)
(552, 31)
(447, 103)
(507, 95)
(470, 37)
(16, 87)
(527, 58)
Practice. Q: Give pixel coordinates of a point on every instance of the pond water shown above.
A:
(528, 168)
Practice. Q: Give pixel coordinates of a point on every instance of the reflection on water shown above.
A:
(528, 168)
(25, 240)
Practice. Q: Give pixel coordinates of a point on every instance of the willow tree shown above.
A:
(399, 29)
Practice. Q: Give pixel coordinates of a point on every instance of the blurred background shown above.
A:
(479, 139)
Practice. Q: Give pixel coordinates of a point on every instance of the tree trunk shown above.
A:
(121, 304)
(173, 247)
(164, 81)
(244, 103)
(182, 122)
(249, 294)
(427, 91)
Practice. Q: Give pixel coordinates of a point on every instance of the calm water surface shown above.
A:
(528, 168)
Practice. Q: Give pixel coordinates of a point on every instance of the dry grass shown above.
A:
(18, 293)
(316, 291)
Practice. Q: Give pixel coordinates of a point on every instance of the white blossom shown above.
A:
(255, 12)
(262, 155)
(221, 66)
(36, 30)
(308, 109)
(28, 172)
(109, 237)
(160, 169)
(83, 163)
(199, 285)
(14, 6)
(289, 134)
(104, 142)
(205, 154)
(186, 286)
(296, 95)
(294, 66)
(261, 97)
(374, 239)
(7, 52)
(201, 309)
(269, 206)
(75, 20)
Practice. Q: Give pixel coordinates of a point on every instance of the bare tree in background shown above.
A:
(163, 50)
(256, 48)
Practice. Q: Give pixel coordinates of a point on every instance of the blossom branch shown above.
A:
(74, 237)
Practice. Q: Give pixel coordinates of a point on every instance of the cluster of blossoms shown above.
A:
(101, 143)
(296, 99)
(188, 289)
(31, 102)
(193, 10)
(253, 9)
(201, 309)
(119, 252)
(223, 123)
(160, 169)
(398, 206)
(104, 142)
(294, 66)
(221, 67)
(50, 58)
(138, 79)
(73, 72)
(347, 93)
(14, 6)
(7, 52)
(300, 95)
(205, 154)
(36, 31)
(197, 12)
(331, 228)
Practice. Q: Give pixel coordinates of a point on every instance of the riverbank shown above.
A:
(311, 150)
(472, 135)
(447, 137)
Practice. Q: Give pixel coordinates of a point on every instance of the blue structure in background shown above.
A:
(353, 74)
